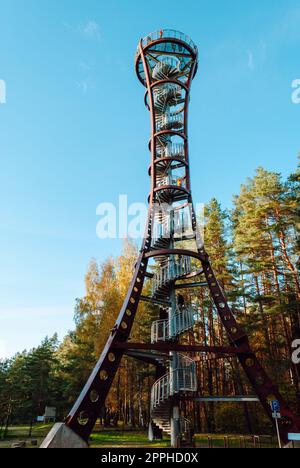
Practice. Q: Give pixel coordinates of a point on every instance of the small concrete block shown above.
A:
(61, 436)
(18, 445)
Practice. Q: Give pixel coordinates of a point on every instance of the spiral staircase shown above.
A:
(180, 379)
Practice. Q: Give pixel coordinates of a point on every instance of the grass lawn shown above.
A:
(106, 438)
(20, 433)
(130, 439)
(234, 441)
(118, 438)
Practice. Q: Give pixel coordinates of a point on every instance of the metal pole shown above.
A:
(150, 432)
(175, 427)
(278, 434)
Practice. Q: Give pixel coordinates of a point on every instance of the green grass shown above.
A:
(234, 441)
(20, 433)
(128, 438)
(118, 438)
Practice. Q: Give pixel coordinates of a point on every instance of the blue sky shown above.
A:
(74, 130)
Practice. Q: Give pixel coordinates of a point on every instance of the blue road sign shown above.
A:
(275, 406)
(294, 437)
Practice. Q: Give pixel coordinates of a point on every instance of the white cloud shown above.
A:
(290, 24)
(250, 63)
(85, 67)
(85, 85)
(2, 92)
(91, 30)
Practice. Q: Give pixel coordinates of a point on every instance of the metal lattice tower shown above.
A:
(172, 257)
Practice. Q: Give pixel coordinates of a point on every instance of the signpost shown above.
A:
(50, 414)
(275, 405)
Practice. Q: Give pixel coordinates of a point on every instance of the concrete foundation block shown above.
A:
(61, 436)
(18, 445)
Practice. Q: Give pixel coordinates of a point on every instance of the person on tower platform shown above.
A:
(180, 301)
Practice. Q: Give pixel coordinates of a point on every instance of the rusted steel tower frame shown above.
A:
(260, 381)
(83, 416)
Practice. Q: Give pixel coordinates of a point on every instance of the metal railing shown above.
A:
(181, 379)
(162, 231)
(173, 150)
(185, 428)
(184, 379)
(181, 223)
(182, 321)
(179, 323)
(166, 66)
(162, 141)
(166, 93)
(178, 224)
(171, 181)
(168, 34)
(160, 331)
(160, 391)
(170, 122)
(172, 270)
(184, 375)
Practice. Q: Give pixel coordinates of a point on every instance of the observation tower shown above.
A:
(166, 63)
(173, 259)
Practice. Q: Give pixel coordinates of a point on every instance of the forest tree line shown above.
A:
(255, 251)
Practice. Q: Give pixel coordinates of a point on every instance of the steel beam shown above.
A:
(165, 346)
(148, 358)
(218, 399)
(191, 285)
(155, 301)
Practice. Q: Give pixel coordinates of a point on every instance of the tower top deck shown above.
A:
(162, 43)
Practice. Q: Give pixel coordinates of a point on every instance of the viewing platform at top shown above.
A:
(168, 34)
(167, 42)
